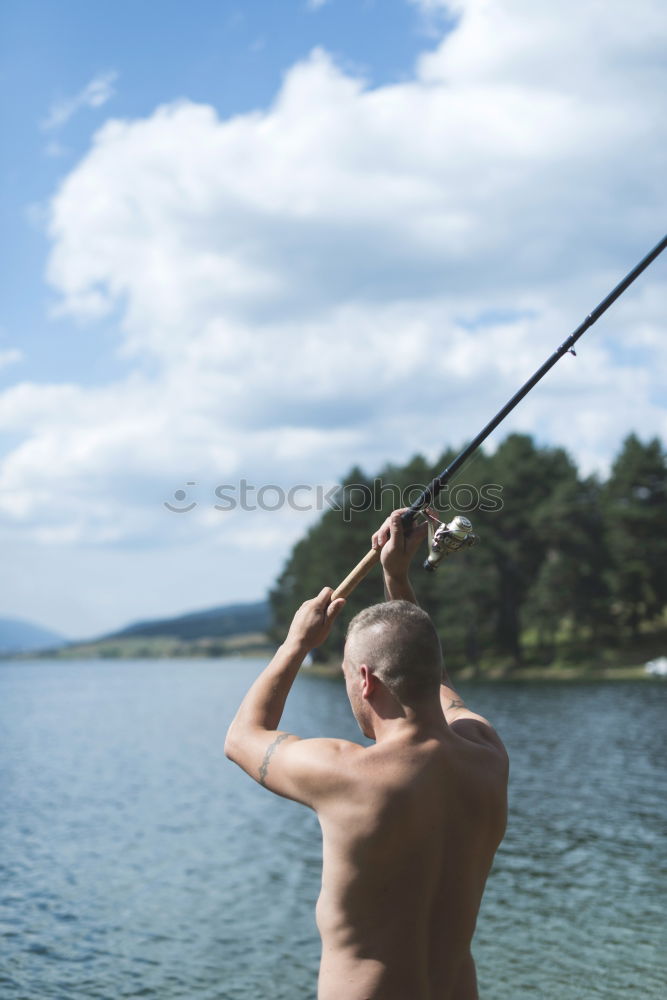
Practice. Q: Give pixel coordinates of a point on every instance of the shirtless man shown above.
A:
(410, 824)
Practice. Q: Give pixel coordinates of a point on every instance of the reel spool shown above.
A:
(447, 538)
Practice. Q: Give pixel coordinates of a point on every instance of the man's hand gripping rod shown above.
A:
(430, 494)
(443, 540)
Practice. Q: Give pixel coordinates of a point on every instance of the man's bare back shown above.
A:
(407, 848)
(410, 825)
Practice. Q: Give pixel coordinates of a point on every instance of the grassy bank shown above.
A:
(624, 660)
(331, 668)
(621, 660)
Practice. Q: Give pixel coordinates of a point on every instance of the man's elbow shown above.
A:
(231, 745)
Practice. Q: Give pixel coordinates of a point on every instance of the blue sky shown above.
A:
(269, 241)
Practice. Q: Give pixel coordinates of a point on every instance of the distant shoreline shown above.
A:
(258, 645)
(137, 647)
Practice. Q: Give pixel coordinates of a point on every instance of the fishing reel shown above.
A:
(445, 539)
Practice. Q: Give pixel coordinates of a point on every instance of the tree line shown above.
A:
(564, 562)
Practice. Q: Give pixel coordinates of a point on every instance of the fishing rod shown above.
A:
(458, 533)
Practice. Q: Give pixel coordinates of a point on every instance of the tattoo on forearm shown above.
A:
(267, 756)
(456, 703)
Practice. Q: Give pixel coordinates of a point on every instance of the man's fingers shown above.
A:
(380, 536)
(396, 525)
(392, 525)
(417, 534)
(335, 608)
(415, 538)
(325, 605)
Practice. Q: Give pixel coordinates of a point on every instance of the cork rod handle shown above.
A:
(354, 578)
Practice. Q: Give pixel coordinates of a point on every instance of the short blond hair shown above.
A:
(398, 642)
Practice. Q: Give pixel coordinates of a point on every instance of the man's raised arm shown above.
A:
(396, 555)
(298, 769)
(398, 550)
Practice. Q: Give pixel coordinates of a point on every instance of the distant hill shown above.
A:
(18, 636)
(230, 629)
(216, 623)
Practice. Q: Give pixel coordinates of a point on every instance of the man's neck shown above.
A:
(413, 725)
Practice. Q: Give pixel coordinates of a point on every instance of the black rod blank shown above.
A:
(430, 494)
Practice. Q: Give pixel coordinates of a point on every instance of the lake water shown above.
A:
(136, 861)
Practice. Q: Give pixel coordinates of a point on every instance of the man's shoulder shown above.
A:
(324, 757)
(328, 748)
(306, 770)
(481, 732)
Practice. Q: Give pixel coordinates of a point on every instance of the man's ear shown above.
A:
(368, 680)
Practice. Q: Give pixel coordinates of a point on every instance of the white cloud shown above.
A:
(96, 93)
(355, 274)
(316, 4)
(585, 52)
(437, 15)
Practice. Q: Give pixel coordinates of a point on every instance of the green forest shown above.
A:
(568, 569)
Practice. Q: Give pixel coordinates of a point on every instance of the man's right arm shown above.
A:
(397, 550)
(397, 553)
(453, 706)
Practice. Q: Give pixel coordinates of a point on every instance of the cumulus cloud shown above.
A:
(96, 92)
(356, 273)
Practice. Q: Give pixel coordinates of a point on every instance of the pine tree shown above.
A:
(528, 476)
(635, 505)
(570, 592)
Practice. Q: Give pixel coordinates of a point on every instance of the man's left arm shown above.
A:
(297, 769)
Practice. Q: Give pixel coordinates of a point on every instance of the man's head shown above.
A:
(396, 643)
